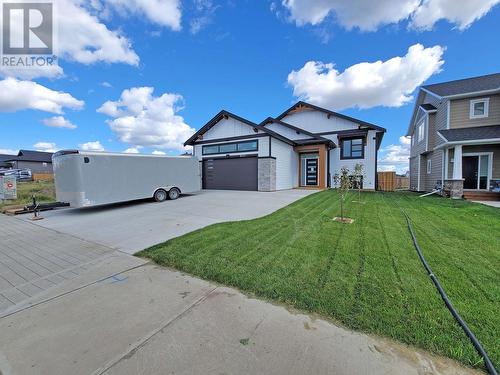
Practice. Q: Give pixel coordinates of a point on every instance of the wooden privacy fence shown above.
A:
(402, 183)
(42, 176)
(386, 181)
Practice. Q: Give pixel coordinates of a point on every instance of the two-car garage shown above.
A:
(236, 173)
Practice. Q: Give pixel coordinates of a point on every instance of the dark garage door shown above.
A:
(230, 174)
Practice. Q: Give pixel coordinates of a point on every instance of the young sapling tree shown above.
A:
(343, 183)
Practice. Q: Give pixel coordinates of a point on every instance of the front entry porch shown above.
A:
(313, 161)
(474, 169)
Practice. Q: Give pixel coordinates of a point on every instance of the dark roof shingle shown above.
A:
(28, 155)
(471, 134)
(465, 86)
(5, 157)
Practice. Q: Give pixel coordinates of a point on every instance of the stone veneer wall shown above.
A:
(266, 174)
(454, 188)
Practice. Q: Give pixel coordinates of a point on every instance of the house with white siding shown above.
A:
(455, 138)
(304, 147)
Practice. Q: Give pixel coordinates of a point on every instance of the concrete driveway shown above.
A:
(132, 227)
(83, 308)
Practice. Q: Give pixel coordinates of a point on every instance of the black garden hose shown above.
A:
(487, 362)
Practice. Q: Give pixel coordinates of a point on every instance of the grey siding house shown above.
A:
(36, 161)
(455, 137)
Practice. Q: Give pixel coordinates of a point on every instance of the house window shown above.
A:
(247, 146)
(232, 147)
(420, 131)
(479, 108)
(207, 150)
(429, 166)
(228, 148)
(352, 148)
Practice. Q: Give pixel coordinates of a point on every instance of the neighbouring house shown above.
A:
(455, 138)
(36, 161)
(303, 147)
(4, 161)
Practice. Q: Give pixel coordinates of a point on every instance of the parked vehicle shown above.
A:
(84, 178)
(20, 174)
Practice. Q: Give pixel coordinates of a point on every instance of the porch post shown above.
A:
(457, 163)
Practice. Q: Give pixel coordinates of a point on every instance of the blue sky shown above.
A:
(237, 55)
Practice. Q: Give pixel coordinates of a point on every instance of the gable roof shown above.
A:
(471, 134)
(330, 113)
(314, 137)
(270, 120)
(490, 82)
(225, 114)
(29, 155)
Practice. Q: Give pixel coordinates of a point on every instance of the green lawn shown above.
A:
(44, 191)
(365, 275)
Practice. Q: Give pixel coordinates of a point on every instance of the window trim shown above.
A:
(486, 102)
(429, 166)
(230, 143)
(342, 157)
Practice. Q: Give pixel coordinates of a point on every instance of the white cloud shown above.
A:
(132, 150)
(462, 14)
(381, 83)
(368, 15)
(8, 151)
(45, 146)
(18, 95)
(84, 38)
(106, 84)
(157, 152)
(59, 122)
(161, 12)
(141, 119)
(91, 146)
(53, 71)
(364, 14)
(395, 157)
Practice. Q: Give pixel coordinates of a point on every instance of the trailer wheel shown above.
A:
(173, 194)
(160, 195)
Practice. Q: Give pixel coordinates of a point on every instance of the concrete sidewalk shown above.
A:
(489, 203)
(34, 260)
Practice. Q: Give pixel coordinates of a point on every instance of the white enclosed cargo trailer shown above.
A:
(84, 178)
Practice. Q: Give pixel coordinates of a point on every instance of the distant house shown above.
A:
(36, 161)
(4, 163)
(455, 137)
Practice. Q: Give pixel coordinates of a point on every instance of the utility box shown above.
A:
(8, 187)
